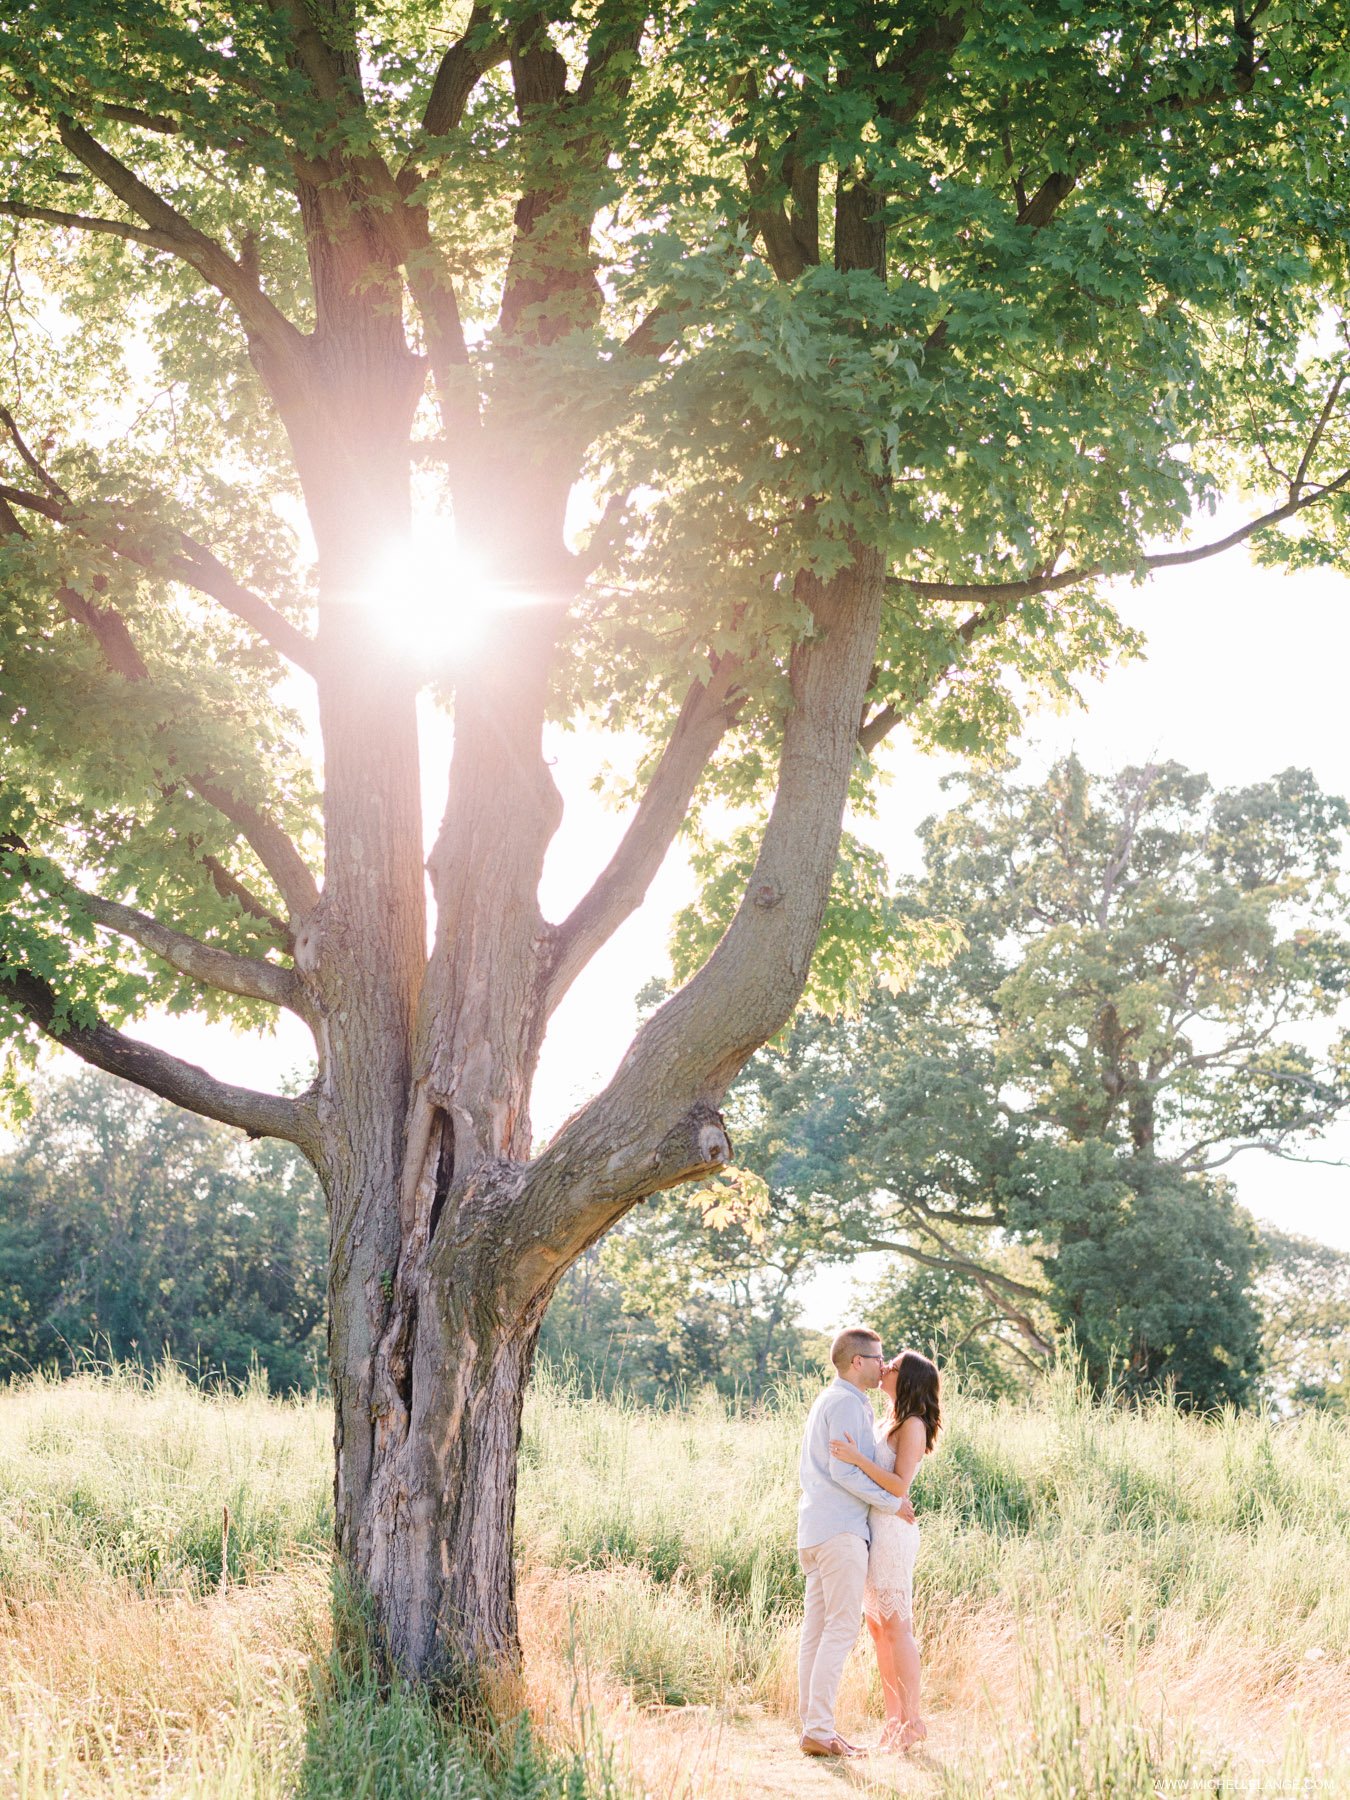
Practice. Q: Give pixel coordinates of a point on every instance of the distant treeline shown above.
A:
(130, 1230)
(1095, 997)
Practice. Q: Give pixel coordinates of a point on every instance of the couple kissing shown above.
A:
(857, 1536)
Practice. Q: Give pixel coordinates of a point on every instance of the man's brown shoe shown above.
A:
(835, 1746)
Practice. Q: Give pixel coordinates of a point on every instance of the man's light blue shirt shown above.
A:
(835, 1495)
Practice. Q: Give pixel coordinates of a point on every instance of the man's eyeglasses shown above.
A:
(871, 1356)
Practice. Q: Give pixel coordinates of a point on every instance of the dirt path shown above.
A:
(699, 1753)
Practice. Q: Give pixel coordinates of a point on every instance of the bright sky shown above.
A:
(1245, 674)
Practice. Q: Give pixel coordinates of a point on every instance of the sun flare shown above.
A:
(434, 600)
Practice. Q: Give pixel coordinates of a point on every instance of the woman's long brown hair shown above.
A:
(918, 1395)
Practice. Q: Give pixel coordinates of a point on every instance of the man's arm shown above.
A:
(844, 1475)
(832, 1422)
(894, 1481)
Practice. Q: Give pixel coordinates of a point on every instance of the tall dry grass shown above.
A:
(152, 1645)
(1195, 1571)
(1111, 1602)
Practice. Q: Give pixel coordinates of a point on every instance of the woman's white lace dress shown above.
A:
(890, 1560)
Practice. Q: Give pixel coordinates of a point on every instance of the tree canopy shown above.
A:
(740, 378)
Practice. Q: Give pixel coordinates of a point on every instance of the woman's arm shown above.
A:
(846, 1451)
(909, 1453)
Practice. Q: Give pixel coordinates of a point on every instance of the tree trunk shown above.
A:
(362, 952)
(436, 1548)
(430, 1542)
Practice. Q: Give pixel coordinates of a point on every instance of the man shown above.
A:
(833, 1534)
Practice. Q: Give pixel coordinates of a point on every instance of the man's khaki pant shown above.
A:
(836, 1572)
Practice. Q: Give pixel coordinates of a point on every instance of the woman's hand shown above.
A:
(845, 1450)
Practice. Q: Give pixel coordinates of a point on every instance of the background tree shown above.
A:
(694, 1290)
(787, 376)
(1142, 959)
(939, 1311)
(131, 1230)
(1304, 1289)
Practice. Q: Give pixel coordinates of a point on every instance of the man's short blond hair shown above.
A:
(857, 1340)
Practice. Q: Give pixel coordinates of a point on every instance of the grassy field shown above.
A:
(1110, 1603)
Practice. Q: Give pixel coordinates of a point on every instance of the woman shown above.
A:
(913, 1386)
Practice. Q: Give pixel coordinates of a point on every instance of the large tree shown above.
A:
(787, 374)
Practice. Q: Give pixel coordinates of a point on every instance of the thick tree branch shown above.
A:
(104, 623)
(160, 123)
(1002, 592)
(447, 348)
(247, 976)
(1310, 449)
(109, 630)
(998, 1289)
(1038, 211)
(1034, 213)
(875, 728)
(923, 59)
(273, 848)
(616, 33)
(229, 887)
(619, 890)
(194, 565)
(350, 182)
(947, 1216)
(186, 1085)
(199, 568)
(666, 1089)
(785, 250)
(30, 459)
(118, 228)
(653, 334)
(551, 287)
(953, 1259)
(263, 321)
(996, 598)
(1175, 559)
(324, 45)
(482, 47)
(790, 232)
(271, 845)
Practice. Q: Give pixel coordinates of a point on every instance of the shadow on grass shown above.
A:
(374, 1737)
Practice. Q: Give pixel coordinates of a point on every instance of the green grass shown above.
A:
(120, 1474)
(1057, 1506)
(1113, 1602)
